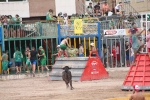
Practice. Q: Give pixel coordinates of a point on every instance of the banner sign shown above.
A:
(78, 27)
(116, 32)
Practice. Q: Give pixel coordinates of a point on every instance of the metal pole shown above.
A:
(111, 55)
(99, 40)
(52, 49)
(47, 51)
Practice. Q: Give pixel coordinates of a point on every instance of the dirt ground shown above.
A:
(44, 89)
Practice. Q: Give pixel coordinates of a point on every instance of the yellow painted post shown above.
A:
(69, 42)
(94, 41)
(89, 44)
(0, 60)
(79, 40)
(85, 47)
(74, 42)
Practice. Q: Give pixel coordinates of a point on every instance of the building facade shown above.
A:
(141, 6)
(39, 8)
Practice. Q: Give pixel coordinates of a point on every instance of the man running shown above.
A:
(136, 94)
(42, 59)
(64, 44)
(5, 62)
(28, 63)
(33, 59)
(18, 60)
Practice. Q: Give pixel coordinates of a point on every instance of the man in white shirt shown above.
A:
(118, 8)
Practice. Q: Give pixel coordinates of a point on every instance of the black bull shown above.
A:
(67, 77)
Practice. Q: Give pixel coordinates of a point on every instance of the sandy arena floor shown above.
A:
(44, 89)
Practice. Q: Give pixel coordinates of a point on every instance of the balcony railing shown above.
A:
(29, 30)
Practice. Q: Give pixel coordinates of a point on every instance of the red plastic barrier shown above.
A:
(139, 74)
(94, 69)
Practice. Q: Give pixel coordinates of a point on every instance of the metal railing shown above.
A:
(88, 29)
(26, 30)
(127, 8)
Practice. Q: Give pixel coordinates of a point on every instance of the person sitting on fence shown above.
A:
(64, 44)
(49, 15)
(97, 9)
(136, 94)
(118, 8)
(89, 9)
(136, 45)
(5, 62)
(105, 9)
(18, 60)
(81, 51)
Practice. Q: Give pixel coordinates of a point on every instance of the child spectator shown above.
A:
(148, 41)
(5, 62)
(132, 55)
(89, 9)
(114, 55)
(81, 51)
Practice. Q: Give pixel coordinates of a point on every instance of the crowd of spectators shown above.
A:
(11, 25)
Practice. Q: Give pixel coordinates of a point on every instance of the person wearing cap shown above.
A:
(64, 44)
(105, 8)
(136, 94)
(42, 56)
(5, 62)
(18, 60)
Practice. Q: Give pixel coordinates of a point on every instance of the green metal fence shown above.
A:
(31, 34)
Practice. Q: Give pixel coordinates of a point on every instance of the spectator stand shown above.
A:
(89, 32)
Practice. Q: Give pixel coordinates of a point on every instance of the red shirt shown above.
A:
(114, 52)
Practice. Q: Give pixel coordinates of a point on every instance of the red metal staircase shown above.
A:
(139, 74)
